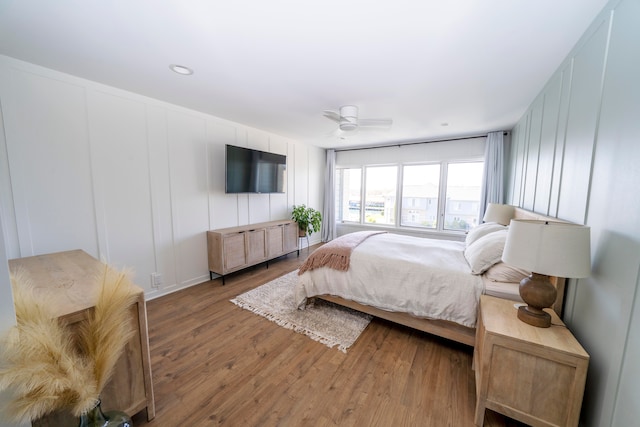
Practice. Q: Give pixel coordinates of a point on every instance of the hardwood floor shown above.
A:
(214, 363)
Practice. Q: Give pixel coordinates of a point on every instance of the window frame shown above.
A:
(363, 192)
(445, 187)
(401, 197)
(338, 196)
(442, 194)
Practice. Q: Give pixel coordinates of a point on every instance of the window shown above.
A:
(380, 194)
(464, 186)
(443, 196)
(420, 187)
(348, 194)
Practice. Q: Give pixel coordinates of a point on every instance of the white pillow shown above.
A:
(486, 251)
(506, 273)
(482, 230)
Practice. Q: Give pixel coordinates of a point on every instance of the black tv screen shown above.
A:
(254, 171)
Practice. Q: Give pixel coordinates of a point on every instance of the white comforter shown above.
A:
(424, 277)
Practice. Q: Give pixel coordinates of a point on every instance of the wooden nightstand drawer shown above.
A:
(535, 375)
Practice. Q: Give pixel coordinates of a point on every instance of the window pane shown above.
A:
(420, 185)
(380, 197)
(464, 183)
(348, 191)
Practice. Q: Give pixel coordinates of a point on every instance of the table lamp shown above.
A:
(501, 214)
(546, 249)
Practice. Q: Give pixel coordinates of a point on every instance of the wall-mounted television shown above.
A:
(254, 171)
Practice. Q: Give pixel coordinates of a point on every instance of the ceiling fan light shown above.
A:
(347, 125)
(348, 118)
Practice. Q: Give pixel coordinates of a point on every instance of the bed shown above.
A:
(428, 284)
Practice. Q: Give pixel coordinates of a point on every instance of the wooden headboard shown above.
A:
(558, 282)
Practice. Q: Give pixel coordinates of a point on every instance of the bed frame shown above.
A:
(444, 328)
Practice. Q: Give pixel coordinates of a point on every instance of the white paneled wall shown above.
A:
(301, 189)
(131, 180)
(579, 144)
(7, 312)
(120, 177)
(47, 143)
(188, 187)
(584, 103)
(546, 145)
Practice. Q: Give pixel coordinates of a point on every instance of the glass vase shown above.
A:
(96, 418)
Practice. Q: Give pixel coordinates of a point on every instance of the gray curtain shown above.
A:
(328, 230)
(493, 179)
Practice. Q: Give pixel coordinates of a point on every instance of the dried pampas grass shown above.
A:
(45, 367)
(109, 327)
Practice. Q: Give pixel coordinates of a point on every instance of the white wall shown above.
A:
(577, 156)
(7, 312)
(130, 180)
(413, 153)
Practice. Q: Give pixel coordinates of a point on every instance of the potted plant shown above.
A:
(308, 219)
(49, 367)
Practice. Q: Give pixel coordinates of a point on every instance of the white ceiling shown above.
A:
(276, 65)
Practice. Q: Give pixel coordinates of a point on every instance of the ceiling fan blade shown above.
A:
(375, 122)
(349, 123)
(332, 115)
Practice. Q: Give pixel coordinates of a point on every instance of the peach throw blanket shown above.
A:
(337, 253)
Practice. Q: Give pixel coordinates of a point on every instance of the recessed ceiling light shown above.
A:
(181, 69)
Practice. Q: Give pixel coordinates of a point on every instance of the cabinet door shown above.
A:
(256, 246)
(234, 251)
(125, 391)
(275, 241)
(290, 233)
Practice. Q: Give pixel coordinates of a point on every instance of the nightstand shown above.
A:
(534, 375)
(68, 281)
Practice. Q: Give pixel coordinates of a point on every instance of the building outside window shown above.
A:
(420, 186)
(464, 186)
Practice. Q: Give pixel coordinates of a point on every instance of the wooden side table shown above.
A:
(535, 375)
(68, 281)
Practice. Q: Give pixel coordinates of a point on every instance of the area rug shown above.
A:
(322, 321)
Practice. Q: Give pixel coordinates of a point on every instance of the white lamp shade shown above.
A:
(501, 214)
(551, 248)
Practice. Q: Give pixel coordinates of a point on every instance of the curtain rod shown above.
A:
(414, 143)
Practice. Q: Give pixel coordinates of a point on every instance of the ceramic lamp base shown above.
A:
(538, 292)
(534, 317)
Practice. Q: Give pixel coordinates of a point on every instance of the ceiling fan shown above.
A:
(348, 121)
